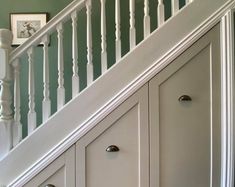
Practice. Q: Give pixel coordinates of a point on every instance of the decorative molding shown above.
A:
(227, 101)
(123, 93)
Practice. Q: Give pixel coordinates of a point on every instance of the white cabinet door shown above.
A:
(186, 135)
(60, 173)
(127, 128)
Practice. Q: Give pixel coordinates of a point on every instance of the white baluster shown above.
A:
(60, 89)
(17, 126)
(161, 13)
(103, 37)
(31, 114)
(6, 114)
(132, 24)
(89, 44)
(174, 6)
(188, 1)
(75, 77)
(118, 30)
(46, 103)
(146, 19)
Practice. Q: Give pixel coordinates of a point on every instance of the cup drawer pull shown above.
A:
(112, 148)
(50, 185)
(185, 98)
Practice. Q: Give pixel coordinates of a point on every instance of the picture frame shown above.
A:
(24, 25)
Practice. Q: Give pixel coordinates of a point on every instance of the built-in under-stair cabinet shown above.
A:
(161, 116)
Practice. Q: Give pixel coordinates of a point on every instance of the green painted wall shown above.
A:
(53, 7)
(34, 6)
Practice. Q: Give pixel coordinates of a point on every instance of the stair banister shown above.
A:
(61, 17)
(75, 77)
(17, 126)
(89, 43)
(6, 113)
(146, 19)
(60, 89)
(46, 103)
(132, 24)
(10, 61)
(118, 31)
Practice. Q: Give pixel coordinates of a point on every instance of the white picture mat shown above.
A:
(29, 18)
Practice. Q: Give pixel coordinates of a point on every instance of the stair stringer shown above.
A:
(82, 113)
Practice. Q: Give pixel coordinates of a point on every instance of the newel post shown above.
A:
(6, 113)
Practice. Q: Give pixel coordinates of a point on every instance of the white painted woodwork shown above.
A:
(5, 137)
(127, 128)
(60, 89)
(160, 12)
(146, 19)
(51, 27)
(130, 74)
(188, 1)
(186, 136)
(227, 116)
(6, 113)
(46, 103)
(104, 65)
(118, 30)
(174, 6)
(32, 117)
(90, 74)
(75, 77)
(17, 126)
(60, 173)
(5, 100)
(5, 75)
(132, 32)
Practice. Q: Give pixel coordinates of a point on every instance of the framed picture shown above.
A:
(24, 25)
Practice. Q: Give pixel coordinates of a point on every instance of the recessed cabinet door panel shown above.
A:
(60, 173)
(127, 129)
(185, 118)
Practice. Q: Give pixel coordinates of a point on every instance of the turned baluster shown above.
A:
(161, 13)
(31, 91)
(60, 89)
(6, 113)
(174, 6)
(89, 44)
(118, 30)
(17, 126)
(188, 1)
(146, 19)
(75, 77)
(46, 103)
(132, 24)
(103, 37)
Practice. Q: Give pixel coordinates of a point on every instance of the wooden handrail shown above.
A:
(61, 17)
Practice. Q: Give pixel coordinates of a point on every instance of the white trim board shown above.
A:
(129, 74)
(227, 79)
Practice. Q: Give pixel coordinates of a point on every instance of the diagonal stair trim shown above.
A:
(132, 72)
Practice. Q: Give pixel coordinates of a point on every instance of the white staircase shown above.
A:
(23, 159)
